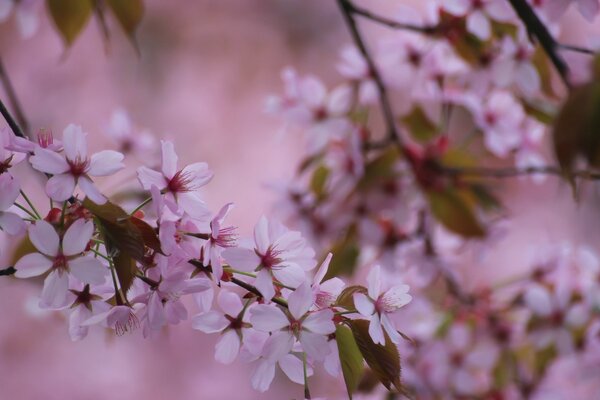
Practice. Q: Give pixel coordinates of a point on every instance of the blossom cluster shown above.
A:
(103, 266)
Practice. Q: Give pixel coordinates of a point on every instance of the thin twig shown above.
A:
(538, 30)
(392, 135)
(13, 100)
(511, 172)
(253, 289)
(7, 271)
(577, 49)
(427, 30)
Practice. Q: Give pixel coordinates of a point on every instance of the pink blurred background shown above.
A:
(205, 70)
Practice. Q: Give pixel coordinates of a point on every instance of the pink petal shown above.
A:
(374, 282)
(193, 205)
(228, 347)
(363, 304)
(210, 322)
(264, 284)
(198, 173)
(77, 237)
(230, 303)
(300, 301)
(90, 190)
(538, 299)
(148, 178)
(75, 142)
(397, 296)
(291, 275)
(33, 264)
(77, 317)
(263, 375)
(169, 159)
(293, 367)
(322, 271)
(54, 293)
(479, 25)
(44, 238)
(314, 345)
(48, 161)
(175, 312)
(88, 270)
(268, 318)
(105, 163)
(156, 312)
(375, 330)
(60, 187)
(390, 329)
(241, 259)
(320, 322)
(12, 224)
(277, 345)
(261, 235)
(9, 191)
(220, 217)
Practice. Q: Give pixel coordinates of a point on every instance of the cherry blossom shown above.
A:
(220, 238)
(179, 186)
(479, 13)
(10, 222)
(378, 305)
(75, 167)
(325, 293)
(63, 258)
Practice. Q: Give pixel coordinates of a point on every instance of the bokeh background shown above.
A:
(205, 70)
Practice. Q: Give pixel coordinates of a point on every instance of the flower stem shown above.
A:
(304, 368)
(138, 208)
(30, 204)
(32, 215)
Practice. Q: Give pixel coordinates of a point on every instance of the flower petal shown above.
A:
(228, 347)
(320, 322)
(60, 187)
(230, 303)
(210, 322)
(242, 259)
(374, 281)
(88, 269)
(11, 223)
(9, 191)
(105, 163)
(77, 237)
(33, 264)
(315, 345)
(267, 318)
(90, 190)
(48, 161)
(300, 301)
(264, 284)
(375, 330)
(54, 293)
(263, 375)
(44, 238)
(148, 178)
(169, 159)
(75, 142)
(277, 345)
(363, 304)
(293, 367)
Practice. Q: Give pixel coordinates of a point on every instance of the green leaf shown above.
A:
(122, 231)
(319, 181)
(346, 252)
(454, 213)
(346, 298)
(379, 169)
(542, 64)
(420, 126)
(351, 358)
(126, 269)
(384, 361)
(70, 17)
(129, 13)
(543, 358)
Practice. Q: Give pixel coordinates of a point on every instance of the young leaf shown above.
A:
(70, 17)
(346, 253)
(346, 298)
(420, 126)
(126, 269)
(350, 358)
(454, 213)
(319, 181)
(384, 361)
(129, 14)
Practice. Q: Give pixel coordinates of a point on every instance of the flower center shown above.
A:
(78, 166)
(60, 263)
(270, 258)
(227, 237)
(181, 183)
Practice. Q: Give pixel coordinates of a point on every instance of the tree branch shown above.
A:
(538, 30)
(7, 271)
(14, 103)
(511, 172)
(427, 30)
(348, 9)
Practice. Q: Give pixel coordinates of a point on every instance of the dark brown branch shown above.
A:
(7, 271)
(427, 30)
(538, 30)
(348, 9)
(512, 172)
(14, 103)
(577, 49)
(253, 289)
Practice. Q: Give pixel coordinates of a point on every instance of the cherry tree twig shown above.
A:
(512, 172)
(22, 125)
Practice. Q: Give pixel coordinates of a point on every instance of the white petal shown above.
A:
(363, 304)
(77, 237)
(375, 330)
(91, 191)
(261, 235)
(264, 284)
(33, 264)
(242, 259)
(314, 345)
(320, 322)
(228, 347)
(198, 173)
(268, 318)
(291, 275)
(479, 25)
(300, 301)
(374, 282)
(230, 303)
(263, 375)
(293, 367)
(48, 161)
(156, 312)
(390, 329)
(9, 191)
(12, 224)
(88, 269)
(169, 159)
(75, 143)
(44, 238)
(277, 345)
(148, 178)
(397, 296)
(210, 322)
(54, 293)
(60, 187)
(537, 298)
(322, 271)
(192, 203)
(105, 163)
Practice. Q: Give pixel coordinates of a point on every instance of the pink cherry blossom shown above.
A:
(10, 222)
(221, 237)
(378, 305)
(231, 323)
(45, 139)
(63, 258)
(179, 186)
(309, 328)
(127, 138)
(278, 254)
(479, 13)
(75, 167)
(326, 293)
(121, 319)
(8, 158)
(85, 303)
